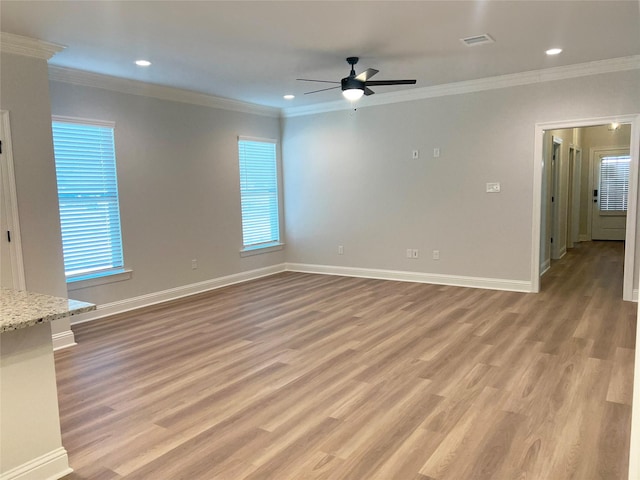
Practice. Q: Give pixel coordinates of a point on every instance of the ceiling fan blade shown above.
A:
(368, 91)
(321, 90)
(310, 80)
(391, 82)
(368, 73)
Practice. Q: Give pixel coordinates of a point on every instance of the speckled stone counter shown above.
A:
(29, 419)
(19, 309)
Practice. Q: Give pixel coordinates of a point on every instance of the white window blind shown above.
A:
(88, 197)
(614, 183)
(259, 193)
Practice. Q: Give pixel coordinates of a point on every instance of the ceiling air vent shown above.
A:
(477, 40)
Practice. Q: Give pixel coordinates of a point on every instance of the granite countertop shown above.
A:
(20, 309)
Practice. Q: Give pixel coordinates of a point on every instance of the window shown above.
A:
(614, 182)
(259, 193)
(88, 197)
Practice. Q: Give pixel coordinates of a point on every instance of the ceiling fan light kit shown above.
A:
(353, 94)
(355, 86)
(352, 89)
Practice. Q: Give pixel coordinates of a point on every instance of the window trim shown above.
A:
(108, 276)
(102, 276)
(262, 248)
(266, 247)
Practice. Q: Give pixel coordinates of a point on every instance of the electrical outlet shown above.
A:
(194, 264)
(340, 250)
(415, 253)
(409, 253)
(436, 153)
(493, 187)
(436, 254)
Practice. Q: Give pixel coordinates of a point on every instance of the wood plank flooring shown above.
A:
(300, 376)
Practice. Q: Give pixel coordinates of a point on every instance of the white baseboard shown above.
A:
(63, 340)
(634, 447)
(634, 295)
(50, 466)
(419, 277)
(584, 238)
(134, 303)
(544, 268)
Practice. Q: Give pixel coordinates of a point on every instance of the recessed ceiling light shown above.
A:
(553, 51)
(143, 63)
(289, 97)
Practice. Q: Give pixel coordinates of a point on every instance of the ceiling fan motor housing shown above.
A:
(349, 83)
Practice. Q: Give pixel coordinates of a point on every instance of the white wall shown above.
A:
(25, 94)
(179, 187)
(350, 179)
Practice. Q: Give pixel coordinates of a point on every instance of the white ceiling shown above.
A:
(254, 51)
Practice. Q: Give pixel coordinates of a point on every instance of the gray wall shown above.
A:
(24, 92)
(179, 187)
(350, 180)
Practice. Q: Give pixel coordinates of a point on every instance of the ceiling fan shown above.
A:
(354, 86)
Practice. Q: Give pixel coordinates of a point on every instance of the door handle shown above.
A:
(595, 193)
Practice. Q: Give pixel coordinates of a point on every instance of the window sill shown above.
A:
(96, 280)
(271, 247)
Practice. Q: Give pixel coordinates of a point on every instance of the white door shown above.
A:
(11, 266)
(573, 206)
(610, 191)
(6, 271)
(556, 162)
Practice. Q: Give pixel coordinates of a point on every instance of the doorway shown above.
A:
(573, 182)
(11, 265)
(555, 199)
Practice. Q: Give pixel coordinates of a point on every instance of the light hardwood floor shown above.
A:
(300, 376)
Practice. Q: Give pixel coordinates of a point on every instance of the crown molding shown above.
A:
(30, 47)
(80, 77)
(470, 86)
(134, 87)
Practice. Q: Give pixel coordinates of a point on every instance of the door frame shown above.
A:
(556, 251)
(10, 198)
(573, 203)
(538, 159)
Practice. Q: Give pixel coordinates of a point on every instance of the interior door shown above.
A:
(11, 266)
(575, 199)
(6, 271)
(610, 191)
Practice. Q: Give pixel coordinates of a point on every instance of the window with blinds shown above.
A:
(614, 182)
(88, 197)
(259, 193)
